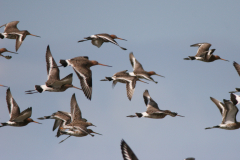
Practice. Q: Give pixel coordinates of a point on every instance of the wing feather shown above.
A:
(237, 67)
(52, 68)
(23, 115)
(97, 42)
(13, 108)
(75, 110)
(202, 47)
(135, 64)
(127, 152)
(231, 113)
(150, 103)
(11, 27)
(86, 81)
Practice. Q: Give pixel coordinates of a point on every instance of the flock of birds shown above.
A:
(72, 123)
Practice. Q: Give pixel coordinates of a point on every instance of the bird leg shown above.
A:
(212, 127)
(180, 116)
(132, 116)
(83, 40)
(143, 81)
(30, 92)
(64, 139)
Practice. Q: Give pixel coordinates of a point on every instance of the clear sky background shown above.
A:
(159, 34)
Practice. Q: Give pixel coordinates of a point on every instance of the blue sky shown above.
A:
(159, 34)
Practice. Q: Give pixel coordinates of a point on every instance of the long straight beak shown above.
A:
(142, 81)
(37, 122)
(3, 85)
(122, 39)
(12, 52)
(34, 35)
(76, 87)
(104, 65)
(159, 75)
(224, 59)
(180, 116)
(97, 133)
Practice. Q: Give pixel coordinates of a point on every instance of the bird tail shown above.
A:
(1, 36)
(237, 90)
(139, 115)
(87, 38)
(190, 58)
(63, 62)
(38, 88)
(3, 124)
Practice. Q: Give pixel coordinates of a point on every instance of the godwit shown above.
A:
(237, 67)
(127, 152)
(139, 71)
(152, 109)
(5, 50)
(81, 65)
(12, 32)
(229, 112)
(53, 84)
(77, 121)
(73, 121)
(17, 119)
(203, 53)
(78, 125)
(98, 39)
(124, 77)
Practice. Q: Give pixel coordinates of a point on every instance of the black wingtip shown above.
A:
(3, 124)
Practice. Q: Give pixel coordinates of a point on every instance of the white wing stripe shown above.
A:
(11, 101)
(108, 39)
